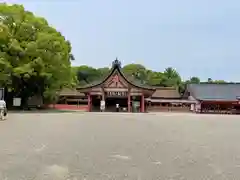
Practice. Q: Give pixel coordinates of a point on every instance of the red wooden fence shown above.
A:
(68, 107)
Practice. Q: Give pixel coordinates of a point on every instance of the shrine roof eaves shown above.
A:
(116, 66)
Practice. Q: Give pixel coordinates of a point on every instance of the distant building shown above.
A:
(215, 98)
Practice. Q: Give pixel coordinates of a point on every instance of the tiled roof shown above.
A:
(165, 92)
(172, 101)
(225, 92)
(70, 92)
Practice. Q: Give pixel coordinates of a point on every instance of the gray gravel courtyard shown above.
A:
(109, 146)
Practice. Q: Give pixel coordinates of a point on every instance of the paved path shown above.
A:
(109, 146)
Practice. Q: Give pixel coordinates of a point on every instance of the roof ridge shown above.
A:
(218, 84)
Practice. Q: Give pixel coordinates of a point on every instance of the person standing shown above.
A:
(3, 109)
(117, 107)
(102, 106)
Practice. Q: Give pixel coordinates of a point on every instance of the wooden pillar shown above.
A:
(129, 102)
(103, 94)
(142, 103)
(89, 102)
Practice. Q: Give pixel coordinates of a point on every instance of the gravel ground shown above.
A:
(109, 146)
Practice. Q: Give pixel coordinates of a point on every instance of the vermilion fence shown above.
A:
(68, 107)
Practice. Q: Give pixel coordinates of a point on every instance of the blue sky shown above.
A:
(196, 37)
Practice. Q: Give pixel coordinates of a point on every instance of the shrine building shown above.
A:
(117, 89)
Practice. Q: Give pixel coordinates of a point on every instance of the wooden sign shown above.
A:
(119, 94)
(17, 102)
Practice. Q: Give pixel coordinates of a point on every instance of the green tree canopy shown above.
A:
(34, 57)
(171, 77)
(219, 81)
(193, 80)
(103, 71)
(87, 74)
(137, 71)
(155, 78)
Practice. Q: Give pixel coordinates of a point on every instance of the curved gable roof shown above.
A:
(116, 67)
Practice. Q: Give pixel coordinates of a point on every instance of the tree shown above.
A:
(35, 58)
(155, 78)
(171, 77)
(137, 71)
(82, 77)
(209, 80)
(103, 71)
(219, 81)
(87, 74)
(193, 80)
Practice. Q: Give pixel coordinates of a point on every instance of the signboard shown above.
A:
(17, 102)
(1, 93)
(119, 94)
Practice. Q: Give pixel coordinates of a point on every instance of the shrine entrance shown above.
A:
(135, 104)
(111, 104)
(112, 98)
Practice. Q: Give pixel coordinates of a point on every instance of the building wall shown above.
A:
(1, 93)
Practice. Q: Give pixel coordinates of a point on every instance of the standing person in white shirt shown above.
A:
(3, 109)
(117, 107)
(102, 106)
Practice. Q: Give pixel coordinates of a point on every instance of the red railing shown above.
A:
(68, 107)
